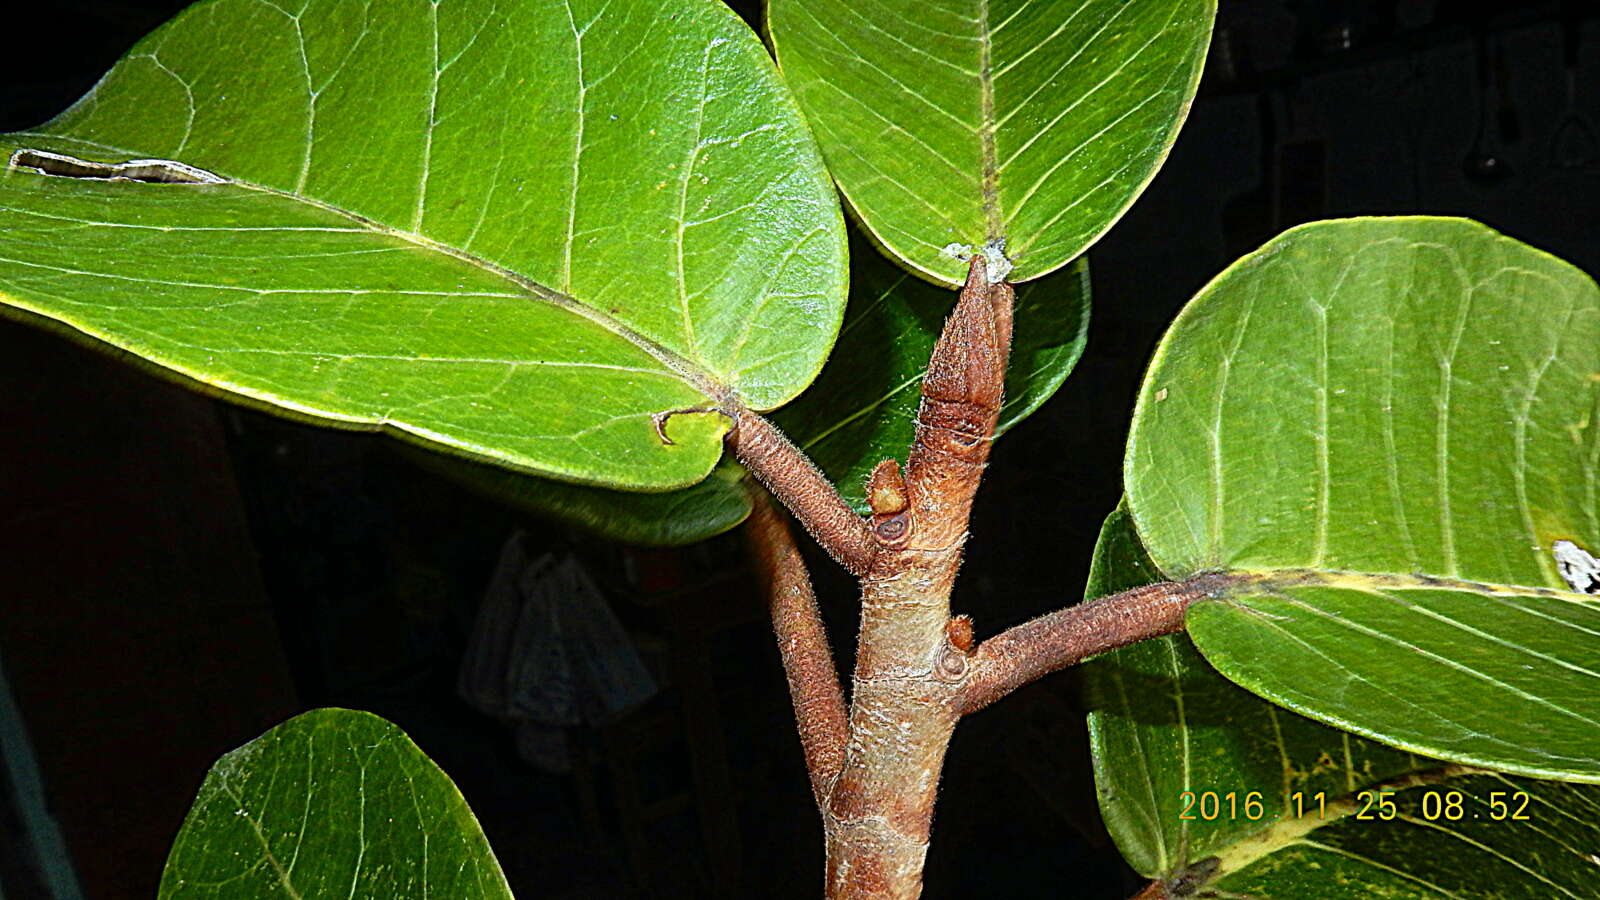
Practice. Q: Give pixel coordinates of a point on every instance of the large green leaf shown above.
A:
(1282, 808)
(513, 228)
(1382, 426)
(332, 803)
(1162, 722)
(970, 121)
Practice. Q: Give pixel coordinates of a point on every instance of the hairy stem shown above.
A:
(875, 764)
(1068, 636)
(819, 708)
(795, 480)
(903, 705)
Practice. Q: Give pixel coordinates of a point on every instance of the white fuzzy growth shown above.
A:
(1580, 570)
(996, 265)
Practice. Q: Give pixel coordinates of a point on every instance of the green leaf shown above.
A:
(860, 410)
(863, 407)
(1162, 722)
(1381, 426)
(512, 229)
(1450, 838)
(970, 121)
(332, 803)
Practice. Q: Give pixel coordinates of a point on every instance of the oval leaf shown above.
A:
(1384, 426)
(969, 122)
(1162, 722)
(332, 803)
(513, 229)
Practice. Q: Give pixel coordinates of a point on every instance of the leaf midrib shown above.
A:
(693, 374)
(1373, 582)
(994, 223)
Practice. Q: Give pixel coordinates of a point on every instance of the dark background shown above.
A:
(177, 574)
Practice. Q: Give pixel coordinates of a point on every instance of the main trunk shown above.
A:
(911, 656)
(875, 778)
(875, 770)
(902, 714)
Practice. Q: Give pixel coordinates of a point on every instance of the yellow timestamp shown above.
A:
(1208, 806)
(1444, 805)
(1436, 805)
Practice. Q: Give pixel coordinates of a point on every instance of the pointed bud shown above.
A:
(967, 364)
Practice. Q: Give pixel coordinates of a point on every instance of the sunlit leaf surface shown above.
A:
(1383, 426)
(501, 228)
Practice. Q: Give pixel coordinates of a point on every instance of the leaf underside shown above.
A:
(497, 228)
(1383, 425)
(1456, 844)
(971, 121)
(1163, 722)
(332, 803)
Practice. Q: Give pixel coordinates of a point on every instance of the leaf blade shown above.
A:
(972, 121)
(1338, 475)
(331, 802)
(1429, 854)
(1162, 721)
(237, 336)
(732, 279)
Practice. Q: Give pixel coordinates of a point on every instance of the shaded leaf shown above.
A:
(497, 227)
(671, 518)
(967, 121)
(332, 803)
(1450, 838)
(1163, 722)
(1385, 424)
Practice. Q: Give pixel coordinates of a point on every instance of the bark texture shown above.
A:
(908, 670)
(1068, 636)
(875, 764)
(802, 643)
(795, 480)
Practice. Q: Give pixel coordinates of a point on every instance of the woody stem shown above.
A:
(819, 707)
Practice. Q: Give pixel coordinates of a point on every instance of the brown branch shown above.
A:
(795, 480)
(819, 708)
(1067, 636)
(909, 654)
